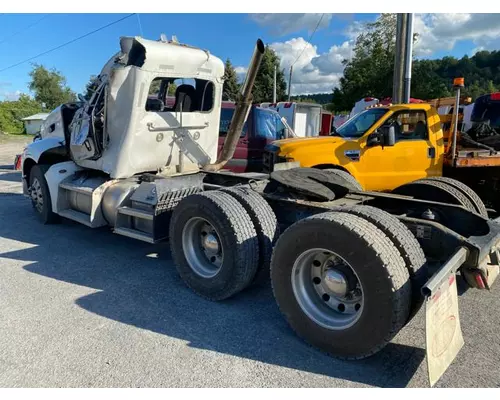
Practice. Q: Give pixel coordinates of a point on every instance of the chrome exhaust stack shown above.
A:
(241, 111)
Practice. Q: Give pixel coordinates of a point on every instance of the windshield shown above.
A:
(269, 125)
(359, 124)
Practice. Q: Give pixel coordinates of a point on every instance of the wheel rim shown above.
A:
(202, 247)
(327, 289)
(37, 195)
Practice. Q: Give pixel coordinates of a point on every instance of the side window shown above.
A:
(175, 94)
(410, 125)
(226, 115)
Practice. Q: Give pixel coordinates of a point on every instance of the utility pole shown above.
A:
(274, 85)
(290, 82)
(408, 58)
(399, 59)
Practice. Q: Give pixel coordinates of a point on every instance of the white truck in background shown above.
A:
(303, 118)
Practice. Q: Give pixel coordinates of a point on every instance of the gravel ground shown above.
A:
(87, 308)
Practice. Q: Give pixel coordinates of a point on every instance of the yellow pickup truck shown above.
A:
(382, 147)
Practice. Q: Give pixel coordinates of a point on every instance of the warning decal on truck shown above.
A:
(443, 332)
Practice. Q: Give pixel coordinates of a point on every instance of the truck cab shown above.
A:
(383, 147)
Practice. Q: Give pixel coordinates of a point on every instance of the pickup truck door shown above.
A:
(414, 155)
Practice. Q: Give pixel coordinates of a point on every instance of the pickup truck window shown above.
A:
(410, 125)
(359, 124)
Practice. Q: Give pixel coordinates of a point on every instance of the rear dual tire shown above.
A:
(222, 241)
(346, 257)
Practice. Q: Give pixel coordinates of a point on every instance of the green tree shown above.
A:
(90, 87)
(264, 82)
(11, 113)
(154, 89)
(370, 71)
(231, 87)
(49, 87)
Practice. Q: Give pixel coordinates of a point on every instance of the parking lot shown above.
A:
(87, 308)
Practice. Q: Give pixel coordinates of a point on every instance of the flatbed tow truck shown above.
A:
(349, 269)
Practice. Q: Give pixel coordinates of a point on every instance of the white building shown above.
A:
(34, 122)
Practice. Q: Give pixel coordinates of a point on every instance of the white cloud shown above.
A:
(285, 24)
(312, 72)
(437, 32)
(8, 95)
(11, 96)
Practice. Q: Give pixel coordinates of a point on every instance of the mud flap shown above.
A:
(443, 332)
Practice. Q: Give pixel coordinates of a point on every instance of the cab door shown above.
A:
(413, 156)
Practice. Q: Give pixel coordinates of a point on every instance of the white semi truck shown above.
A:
(349, 271)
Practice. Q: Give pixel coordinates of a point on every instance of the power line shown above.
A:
(65, 44)
(310, 37)
(24, 29)
(307, 42)
(140, 25)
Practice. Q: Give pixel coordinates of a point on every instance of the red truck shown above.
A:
(262, 127)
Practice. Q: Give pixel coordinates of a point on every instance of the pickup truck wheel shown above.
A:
(40, 195)
(265, 223)
(466, 190)
(341, 284)
(407, 244)
(425, 189)
(214, 244)
(346, 176)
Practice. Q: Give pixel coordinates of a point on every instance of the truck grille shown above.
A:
(270, 157)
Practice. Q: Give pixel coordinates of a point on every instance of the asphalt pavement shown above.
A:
(82, 307)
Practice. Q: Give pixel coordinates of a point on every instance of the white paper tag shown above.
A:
(443, 332)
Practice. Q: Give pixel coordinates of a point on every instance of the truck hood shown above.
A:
(288, 144)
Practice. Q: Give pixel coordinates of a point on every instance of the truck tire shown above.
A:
(407, 244)
(214, 244)
(424, 189)
(40, 195)
(467, 191)
(346, 176)
(265, 223)
(317, 261)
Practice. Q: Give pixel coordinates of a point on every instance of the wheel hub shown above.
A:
(210, 243)
(36, 195)
(202, 247)
(327, 289)
(335, 282)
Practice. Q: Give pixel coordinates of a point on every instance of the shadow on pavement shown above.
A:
(10, 177)
(139, 286)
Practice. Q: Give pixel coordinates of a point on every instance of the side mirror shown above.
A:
(389, 136)
(374, 139)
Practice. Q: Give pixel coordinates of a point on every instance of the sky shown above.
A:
(317, 54)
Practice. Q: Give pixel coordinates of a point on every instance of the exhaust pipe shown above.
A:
(240, 115)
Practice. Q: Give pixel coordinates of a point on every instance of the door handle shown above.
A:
(244, 141)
